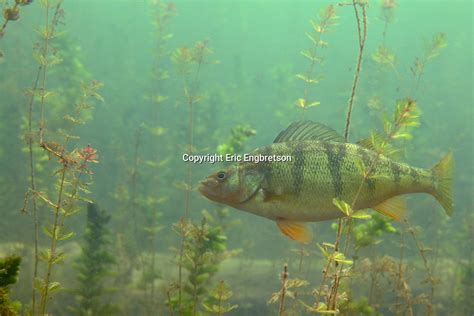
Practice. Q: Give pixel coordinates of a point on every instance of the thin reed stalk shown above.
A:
(190, 90)
(284, 278)
(362, 35)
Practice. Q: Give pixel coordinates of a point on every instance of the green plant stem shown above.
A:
(310, 71)
(284, 277)
(400, 268)
(362, 35)
(430, 277)
(42, 69)
(33, 187)
(54, 239)
(45, 70)
(190, 96)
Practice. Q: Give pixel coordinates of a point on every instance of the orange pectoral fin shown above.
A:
(270, 196)
(294, 230)
(394, 208)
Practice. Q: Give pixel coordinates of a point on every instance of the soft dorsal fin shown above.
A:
(394, 207)
(308, 130)
(294, 230)
(366, 143)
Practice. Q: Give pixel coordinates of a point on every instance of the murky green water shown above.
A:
(111, 94)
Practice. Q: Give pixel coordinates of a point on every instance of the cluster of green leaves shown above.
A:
(384, 57)
(360, 306)
(235, 143)
(348, 211)
(432, 50)
(9, 268)
(322, 24)
(406, 116)
(204, 250)
(368, 233)
(185, 58)
(94, 265)
(217, 302)
(12, 13)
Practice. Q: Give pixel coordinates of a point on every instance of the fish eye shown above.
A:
(221, 175)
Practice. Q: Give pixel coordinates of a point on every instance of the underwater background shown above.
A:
(99, 100)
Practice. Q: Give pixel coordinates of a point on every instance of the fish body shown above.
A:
(322, 167)
(303, 189)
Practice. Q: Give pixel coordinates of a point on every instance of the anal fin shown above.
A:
(294, 230)
(394, 207)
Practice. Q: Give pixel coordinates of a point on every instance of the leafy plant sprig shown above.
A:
(432, 50)
(216, 304)
(322, 24)
(9, 268)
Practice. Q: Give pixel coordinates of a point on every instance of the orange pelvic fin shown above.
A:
(294, 230)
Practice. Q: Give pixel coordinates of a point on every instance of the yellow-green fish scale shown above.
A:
(304, 188)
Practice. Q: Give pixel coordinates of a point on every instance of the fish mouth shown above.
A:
(207, 187)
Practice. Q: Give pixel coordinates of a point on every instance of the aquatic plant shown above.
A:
(406, 116)
(162, 14)
(387, 8)
(368, 232)
(9, 268)
(204, 249)
(464, 273)
(430, 278)
(359, 8)
(323, 23)
(334, 256)
(288, 289)
(39, 87)
(73, 163)
(216, 303)
(140, 216)
(238, 136)
(94, 265)
(432, 50)
(12, 13)
(385, 58)
(185, 60)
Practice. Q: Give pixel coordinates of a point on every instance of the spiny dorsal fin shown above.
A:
(394, 207)
(308, 130)
(294, 230)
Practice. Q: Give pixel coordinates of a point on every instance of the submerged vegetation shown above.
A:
(161, 249)
(9, 267)
(94, 265)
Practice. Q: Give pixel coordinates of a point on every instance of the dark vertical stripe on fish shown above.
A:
(367, 160)
(267, 167)
(298, 167)
(335, 155)
(396, 170)
(414, 176)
